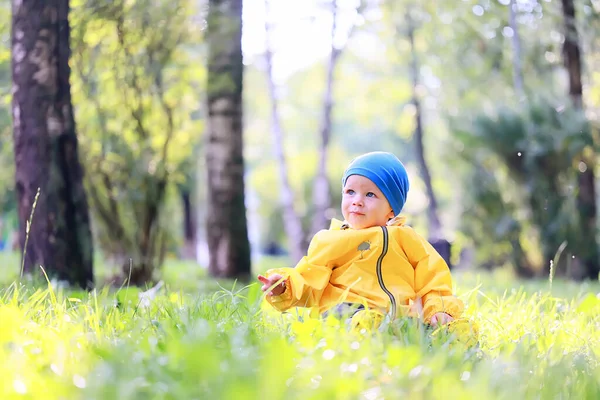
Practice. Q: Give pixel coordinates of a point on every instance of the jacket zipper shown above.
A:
(380, 275)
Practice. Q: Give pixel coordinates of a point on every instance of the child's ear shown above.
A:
(391, 214)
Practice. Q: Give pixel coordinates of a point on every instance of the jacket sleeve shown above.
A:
(306, 282)
(433, 282)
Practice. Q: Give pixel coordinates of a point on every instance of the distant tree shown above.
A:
(586, 195)
(406, 24)
(516, 49)
(321, 191)
(45, 144)
(188, 200)
(293, 221)
(137, 88)
(227, 231)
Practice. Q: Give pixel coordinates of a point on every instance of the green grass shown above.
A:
(538, 341)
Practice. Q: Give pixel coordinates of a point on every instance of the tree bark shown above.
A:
(189, 224)
(435, 227)
(321, 190)
(572, 52)
(586, 195)
(227, 228)
(45, 145)
(293, 223)
(439, 243)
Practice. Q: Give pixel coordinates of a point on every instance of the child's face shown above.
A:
(363, 204)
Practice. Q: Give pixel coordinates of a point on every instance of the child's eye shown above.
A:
(349, 191)
(370, 194)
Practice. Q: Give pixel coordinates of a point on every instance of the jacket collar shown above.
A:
(337, 224)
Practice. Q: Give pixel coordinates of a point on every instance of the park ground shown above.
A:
(198, 338)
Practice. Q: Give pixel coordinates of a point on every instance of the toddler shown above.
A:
(371, 263)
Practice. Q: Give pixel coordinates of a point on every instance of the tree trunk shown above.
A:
(572, 52)
(586, 196)
(516, 45)
(45, 145)
(321, 191)
(189, 224)
(227, 228)
(436, 238)
(292, 221)
(435, 227)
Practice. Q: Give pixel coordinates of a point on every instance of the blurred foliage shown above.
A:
(507, 209)
(265, 184)
(523, 195)
(136, 79)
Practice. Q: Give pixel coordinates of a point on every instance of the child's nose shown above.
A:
(357, 200)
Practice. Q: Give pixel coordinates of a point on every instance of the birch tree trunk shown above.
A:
(292, 221)
(435, 227)
(227, 230)
(436, 237)
(45, 145)
(321, 190)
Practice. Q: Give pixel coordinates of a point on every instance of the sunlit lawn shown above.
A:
(196, 341)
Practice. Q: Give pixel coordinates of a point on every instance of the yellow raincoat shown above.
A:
(390, 269)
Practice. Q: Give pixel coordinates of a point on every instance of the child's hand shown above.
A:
(440, 319)
(270, 281)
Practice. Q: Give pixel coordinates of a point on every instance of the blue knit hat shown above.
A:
(385, 171)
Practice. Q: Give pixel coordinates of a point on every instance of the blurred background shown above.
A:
(491, 104)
